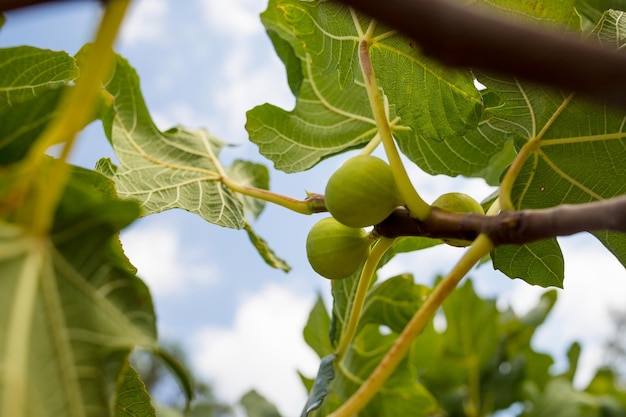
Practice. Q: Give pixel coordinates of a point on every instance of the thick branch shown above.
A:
(511, 227)
(7, 5)
(458, 35)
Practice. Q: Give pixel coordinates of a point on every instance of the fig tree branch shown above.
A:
(462, 36)
(511, 227)
(7, 5)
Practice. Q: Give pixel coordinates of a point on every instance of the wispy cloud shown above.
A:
(262, 350)
(145, 22)
(167, 267)
(234, 16)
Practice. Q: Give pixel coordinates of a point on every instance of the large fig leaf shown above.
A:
(178, 168)
(319, 42)
(577, 157)
(389, 306)
(72, 307)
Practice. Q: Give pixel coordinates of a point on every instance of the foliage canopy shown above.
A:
(73, 308)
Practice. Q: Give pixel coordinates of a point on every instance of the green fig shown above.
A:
(334, 250)
(362, 192)
(460, 203)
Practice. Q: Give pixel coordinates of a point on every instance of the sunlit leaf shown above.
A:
(389, 306)
(26, 71)
(268, 255)
(178, 168)
(325, 122)
(318, 41)
(251, 174)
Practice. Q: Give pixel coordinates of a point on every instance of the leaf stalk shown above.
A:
(418, 207)
(310, 205)
(367, 274)
(75, 110)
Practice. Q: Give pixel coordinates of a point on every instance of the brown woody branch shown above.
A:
(7, 5)
(511, 227)
(462, 36)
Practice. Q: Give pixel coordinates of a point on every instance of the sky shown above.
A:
(204, 63)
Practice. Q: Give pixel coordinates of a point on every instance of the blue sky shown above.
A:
(204, 63)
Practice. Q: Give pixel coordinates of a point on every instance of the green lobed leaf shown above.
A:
(257, 406)
(543, 13)
(254, 175)
(26, 72)
(178, 168)
(343, 292)
(577, 159)
(470, 154)
(318, 41)
(606, 386)
(22, 123)
(573, 357)
(316, 329)
(268, 255)
(132, 398)
(482, 357)
(388, 308)
(538, 263)
(592, 11)
(319, 392)
(561, 399)
(326, 121)
(393, 302)
(400, 395)
(72, 306)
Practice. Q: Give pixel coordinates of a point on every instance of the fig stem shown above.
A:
(312, 204)
(481, 246)
(416, 205)
(367, 273)
(531, 146)
(74, 110)
(371, 145)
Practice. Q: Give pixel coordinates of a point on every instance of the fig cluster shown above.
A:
(361, 193)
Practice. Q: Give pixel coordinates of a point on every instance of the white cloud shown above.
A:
(240, 17)
(145, 22)
(156, 251)
(262, 350)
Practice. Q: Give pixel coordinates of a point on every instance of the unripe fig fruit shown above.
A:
(460, 203)
(362, 192)
(334, 250)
